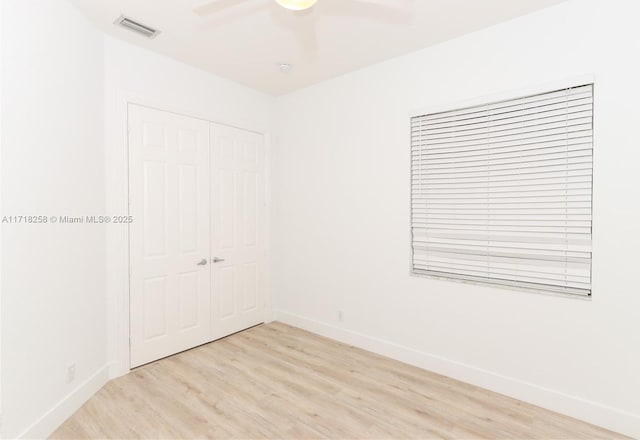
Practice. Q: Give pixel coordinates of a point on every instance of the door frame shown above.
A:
(117, 238)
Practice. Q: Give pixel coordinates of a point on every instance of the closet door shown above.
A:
(237, 229)
(170, 299)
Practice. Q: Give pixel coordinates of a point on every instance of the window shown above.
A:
(501, 192)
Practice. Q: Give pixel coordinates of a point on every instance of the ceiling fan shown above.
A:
(212, 6)
(303, 22)
(296, 5)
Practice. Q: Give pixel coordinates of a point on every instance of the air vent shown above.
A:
(136, 27)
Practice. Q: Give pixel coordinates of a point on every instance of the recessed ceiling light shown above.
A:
(284, 67)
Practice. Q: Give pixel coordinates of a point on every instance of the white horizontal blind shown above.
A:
(501, 193)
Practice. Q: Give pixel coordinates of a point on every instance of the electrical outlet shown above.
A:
(71, 373)
(340, 315)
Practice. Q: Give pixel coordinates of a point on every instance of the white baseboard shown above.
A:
(591, 412)
(117, 369)
(60, 412)
(272, 315)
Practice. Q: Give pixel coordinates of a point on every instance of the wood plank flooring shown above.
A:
(276, 381)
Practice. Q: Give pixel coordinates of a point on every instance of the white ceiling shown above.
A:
(245, 40)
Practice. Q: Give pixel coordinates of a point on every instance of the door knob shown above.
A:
(217, 260)
(202, 262)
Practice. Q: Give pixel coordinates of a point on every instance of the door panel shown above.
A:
(237, 237)
(188, 207)
(224, 199)
(170, 294)
(250, 194)
(250, 286)
(155, 197)
(226, 292)
(188, 295)
(154, 308)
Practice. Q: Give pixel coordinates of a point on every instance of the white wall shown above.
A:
(1, 112)
(340, 217)
(133, 74)
(53, 296)
(64, 153)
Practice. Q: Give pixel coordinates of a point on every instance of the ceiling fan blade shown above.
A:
(301, 25)
(213, 6)
(390, 3)
(307, 34)
(228, 17)
(382, 10)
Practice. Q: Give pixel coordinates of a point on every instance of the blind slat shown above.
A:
(583, 110)
(475, 113)
(512, 283)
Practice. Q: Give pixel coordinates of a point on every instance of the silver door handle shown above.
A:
(202, 262)
(217, 260)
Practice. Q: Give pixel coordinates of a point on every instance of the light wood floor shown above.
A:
(276, 381)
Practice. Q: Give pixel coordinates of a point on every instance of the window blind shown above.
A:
(501, 193)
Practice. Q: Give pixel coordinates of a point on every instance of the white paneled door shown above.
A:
(196, 240)
(237, 223)
(170, 301)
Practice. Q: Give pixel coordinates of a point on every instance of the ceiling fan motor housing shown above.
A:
(296, 5)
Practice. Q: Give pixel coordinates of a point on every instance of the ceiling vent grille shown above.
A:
(137, 27)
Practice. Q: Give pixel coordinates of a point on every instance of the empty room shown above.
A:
(319, 219)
